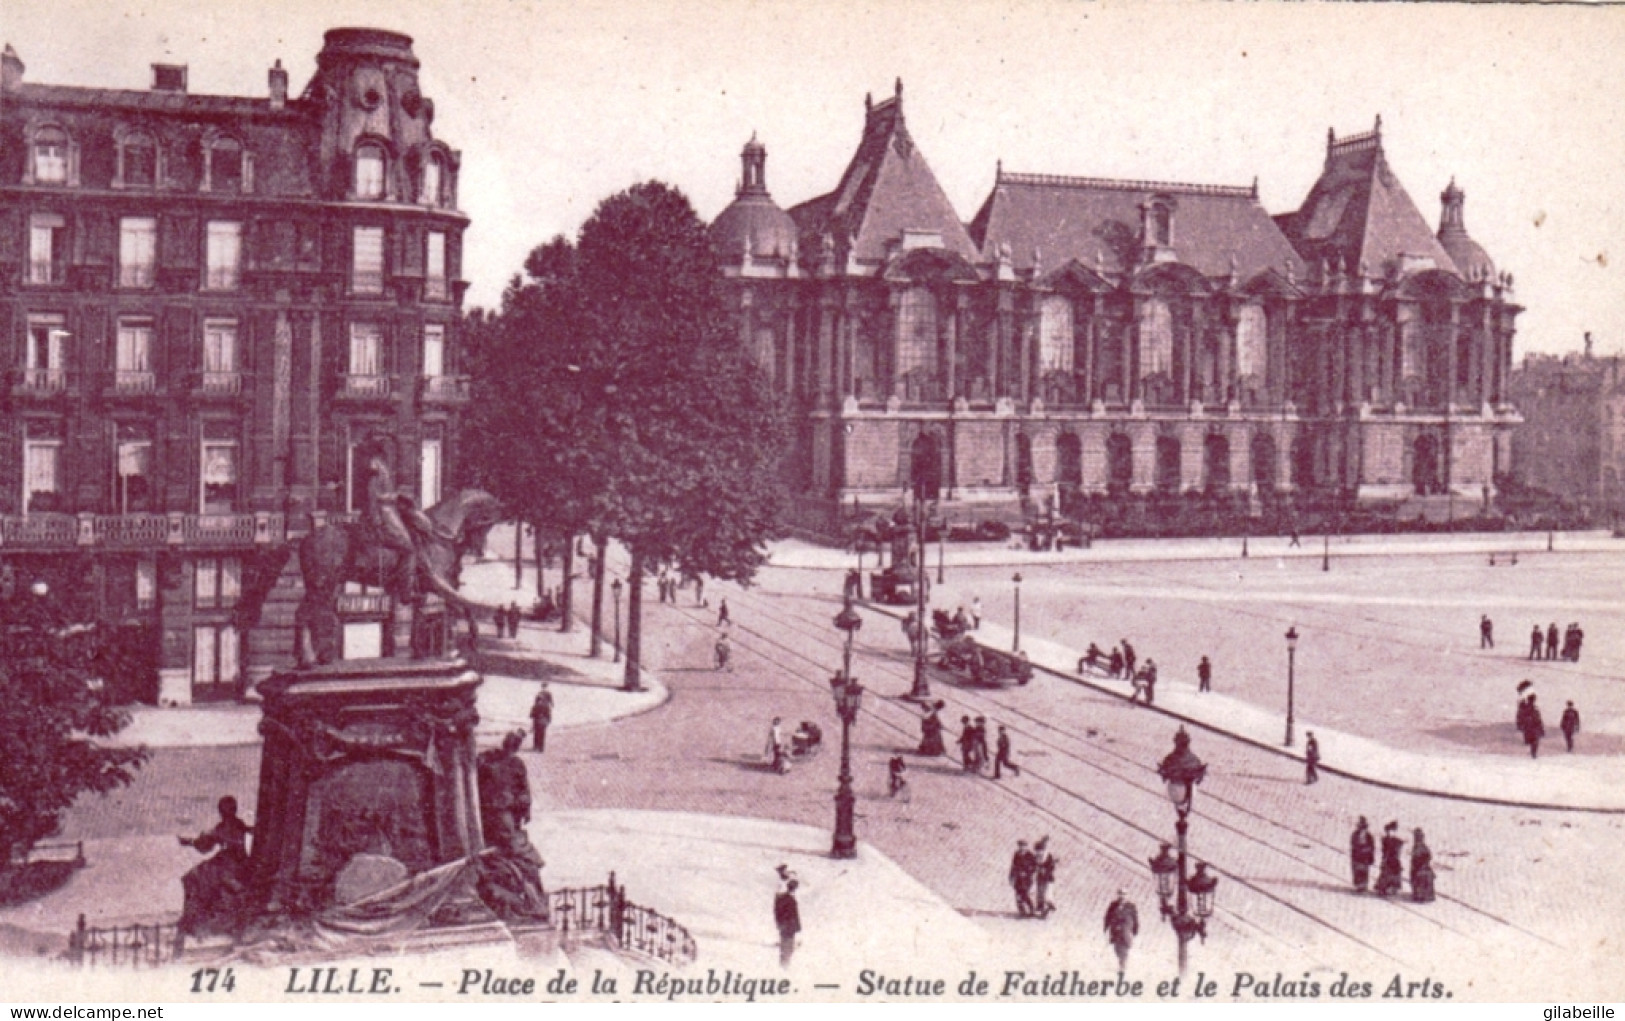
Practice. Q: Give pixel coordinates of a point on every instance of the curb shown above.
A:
(1273, 749)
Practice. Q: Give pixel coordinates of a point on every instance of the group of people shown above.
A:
(1533, 728)
(1391, 874)
(506, 619)
(973, 748)
(666, 587)
(1552, 646)
(1032, 873)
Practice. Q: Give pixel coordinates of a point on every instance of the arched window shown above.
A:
(1024, 463)
(369, 172)
(1169, 455)
(1263, 457)
(1069, 461)
(51, 152)
(137, 160)
(225, 166)
(1119, 462)
(432, 190)
(917, 334)
(1055, 334)
(1216, 462)
(1252, 341)
(1156, 338)
(925, 467)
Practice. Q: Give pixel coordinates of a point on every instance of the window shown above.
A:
(132, 368)
(219, 478)
(430, 195)
(42, 475)
(226, 170)
(429, 474)
(45, 248)
(917, 333)
(137, 250)
(132, 484)
(46, 366)
(1156, 338)
(214, 656)
(1252, 335)
(1162, 225)
(51, 156)
(366, 349)
(369, 172)
(225, 255)
(367, 269)
(1055, 335)
(218, 582)
(220, 356)
(434, 282)
(434, 351)
(138, 161)
(146, 584)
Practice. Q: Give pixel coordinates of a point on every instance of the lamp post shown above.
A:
(921, 690)
(1015, 646)
(1326, 551)
(848, 695)
(942, 543)
(1291, 664)
(1181, 771)
(615, 597)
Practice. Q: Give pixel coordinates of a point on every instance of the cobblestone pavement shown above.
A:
(1522, 892)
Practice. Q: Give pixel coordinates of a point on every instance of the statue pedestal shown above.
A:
(368, 763)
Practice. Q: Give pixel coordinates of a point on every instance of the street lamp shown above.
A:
(1326, 551)
(848, 695)
(942, 543)
(921, 691)
(615, 597)
(1015, 645)
(1291, 665)
(1181, 771)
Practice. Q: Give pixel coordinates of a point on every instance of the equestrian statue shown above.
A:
(396, 547)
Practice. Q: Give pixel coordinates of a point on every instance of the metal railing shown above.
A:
(132, 529)
(221, 383)
(220, 529)
(368, 386)
(138, 945)
(135, 381)
(45, 380)
(605, 911)
(39, 530)
(141, 531)
(445, 389)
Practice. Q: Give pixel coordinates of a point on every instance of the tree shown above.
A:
(693, 433)
(53, 705)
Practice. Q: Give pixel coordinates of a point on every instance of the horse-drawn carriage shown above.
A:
(895, 585)
(974, 663)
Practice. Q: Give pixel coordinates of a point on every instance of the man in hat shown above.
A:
(980, 731)
(1486, 632)
(1362, 854)
(541, 717)
(787, 916)
(1570, 724)
(1122, 925)
(1551, 640)
(967, 746)
(1311, 760)
(1204, 675)
(1022, 867)
(1534, 728)
(1002, 759)
(1044, 876)
(1535, 642)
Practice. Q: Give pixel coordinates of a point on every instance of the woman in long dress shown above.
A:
(215, 891)
(1392, 877)
(1421, 869)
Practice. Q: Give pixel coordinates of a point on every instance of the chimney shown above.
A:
(278, 79)
(169, 77)
(11, 69)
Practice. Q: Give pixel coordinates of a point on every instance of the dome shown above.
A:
(1472, 262)
(753, 224)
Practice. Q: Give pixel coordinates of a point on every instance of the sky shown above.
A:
(557, 105)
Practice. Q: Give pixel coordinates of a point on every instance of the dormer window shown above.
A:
(1162, 225)
(226, 167)
(51, 156)
(433, 177)
(369, 172)
(137, 161)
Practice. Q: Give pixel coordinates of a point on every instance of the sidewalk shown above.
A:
(795, 553)
(1540, 783)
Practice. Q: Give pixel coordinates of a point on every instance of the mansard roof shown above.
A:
(1047, 220)
(887, 189)
(1359, 215)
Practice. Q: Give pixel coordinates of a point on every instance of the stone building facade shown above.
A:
(1084, 336)
(207, 305)
(1572, 443)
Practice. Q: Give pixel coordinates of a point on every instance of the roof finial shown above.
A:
(1376, 129)
(1255, 186)
(899, 87)
(1331, 138)
(868, 102)
(998, 170)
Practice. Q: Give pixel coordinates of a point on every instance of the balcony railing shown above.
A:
(445, 389)
(221, 278)
(44, 381)
(137, 275)
(218, 529)
(135, 381)
(134, 530)
(434, 288)
(367, 281)
(39, 531)
(219, 384)
(62, 532)
(365, 387)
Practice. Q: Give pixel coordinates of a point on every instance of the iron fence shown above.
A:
(139, 945)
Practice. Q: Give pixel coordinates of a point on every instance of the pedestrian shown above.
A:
(1579, 639)
(1116, 662)
(1204, 675)
(1311, 760)
(981, 742)
(724, 653)
(774, 752)
(541, 717)
(1043, 877)
(1421, 868)
(976, 613)
(896, 782)
(1129, 657)
(1570, 724)
(1362, 854)
(967, 745)
(1294, 541)
(787, 916)
(514, 617)
(1002, 759)
(1122, 925)
(1486, 632)
(1535, 642)
(931, 732)
(722, 613)
(1534, 728)
(699, 590)
(1023, 866)
(1150, 672)
(1551, 641)
(1391, 877)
